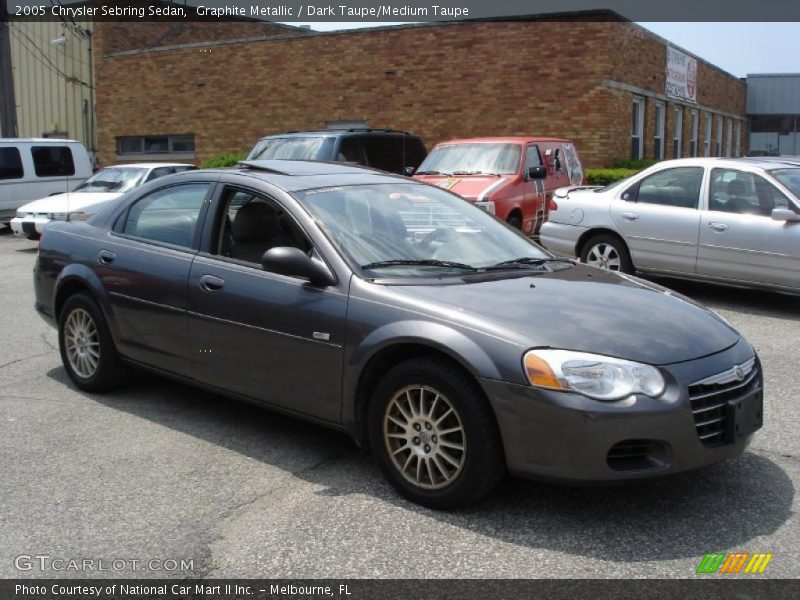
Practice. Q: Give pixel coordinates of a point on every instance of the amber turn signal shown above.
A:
(540, 374)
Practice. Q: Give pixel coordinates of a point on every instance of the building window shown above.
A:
(155, 144)
(719, 136)
(729, 138)
(52, 161)
(772, 135)
(738, 144)
(707, 136)
(694, 127)
(10, 164)
(677, 136)
(637, 128)
(658, 137)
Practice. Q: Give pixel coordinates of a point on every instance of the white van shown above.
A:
(32, 168)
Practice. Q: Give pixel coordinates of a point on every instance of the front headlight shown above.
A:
(57, 216)
(595, 376)
(78, 216)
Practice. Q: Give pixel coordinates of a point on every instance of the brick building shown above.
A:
(197, 90)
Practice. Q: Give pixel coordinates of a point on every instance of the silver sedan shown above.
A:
(733, 221)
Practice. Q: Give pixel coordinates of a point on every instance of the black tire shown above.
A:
(482, 461)
(515, 221)
(618, 248)
(109, 372)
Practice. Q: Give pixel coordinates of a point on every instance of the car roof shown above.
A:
(37, 141)
(509, 139)
(333, 133)
(296, 175)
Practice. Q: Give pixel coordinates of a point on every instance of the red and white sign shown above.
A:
(681, 75)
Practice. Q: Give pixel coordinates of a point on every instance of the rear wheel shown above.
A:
(87, 350)
(608, 252)
(434, 435)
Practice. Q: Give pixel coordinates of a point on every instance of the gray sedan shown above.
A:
(732, 221)
(448, 343)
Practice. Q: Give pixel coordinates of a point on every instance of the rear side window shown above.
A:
(53, 161)
(384, 152)
(679, 187)
(10, 164)
(169, 215)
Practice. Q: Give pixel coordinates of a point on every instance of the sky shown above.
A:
(739, 48)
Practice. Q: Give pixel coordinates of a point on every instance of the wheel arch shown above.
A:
(375, 357)
(76, 278)
(590, 233)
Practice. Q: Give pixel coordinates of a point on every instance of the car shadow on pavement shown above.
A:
(741, 300)
(714, 509)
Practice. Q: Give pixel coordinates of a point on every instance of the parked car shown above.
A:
(511, 177)
(319, 290)
(32, 168)
(732, 221)
(86, 199)
(384, 149)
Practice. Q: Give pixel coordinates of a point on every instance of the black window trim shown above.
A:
(121, 217)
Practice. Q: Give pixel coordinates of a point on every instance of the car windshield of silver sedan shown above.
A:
(472, 159)
(410, 230)
(113, 179)
(790, 178)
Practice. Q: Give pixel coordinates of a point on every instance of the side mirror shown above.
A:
(296, 263)
(409, 171)
(784, 214)
(537, 172)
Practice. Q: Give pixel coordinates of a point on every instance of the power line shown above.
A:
(46, 62)
(46, 42)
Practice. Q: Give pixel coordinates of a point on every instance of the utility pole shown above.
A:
(8, 105)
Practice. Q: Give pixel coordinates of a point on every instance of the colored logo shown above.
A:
(734, 563)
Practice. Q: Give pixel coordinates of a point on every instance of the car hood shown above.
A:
(470, 187)
(585, 309)
(71, 201)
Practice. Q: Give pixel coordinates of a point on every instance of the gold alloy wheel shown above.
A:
(82, 343)
(424, 437)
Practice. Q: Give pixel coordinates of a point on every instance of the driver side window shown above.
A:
(251, 224)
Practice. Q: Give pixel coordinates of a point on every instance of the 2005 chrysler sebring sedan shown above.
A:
(452, 346)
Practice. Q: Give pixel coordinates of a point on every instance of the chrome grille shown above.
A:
(714, 399)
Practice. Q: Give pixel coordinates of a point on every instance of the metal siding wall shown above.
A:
(46, 99)
(773, 94)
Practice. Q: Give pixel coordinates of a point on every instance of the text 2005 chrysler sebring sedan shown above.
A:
(452, 346)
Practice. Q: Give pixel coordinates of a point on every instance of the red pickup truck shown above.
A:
(511, 177)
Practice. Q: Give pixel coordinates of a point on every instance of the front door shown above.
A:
(270, 337)
(535, 200)
(659, 218)
(738, 238)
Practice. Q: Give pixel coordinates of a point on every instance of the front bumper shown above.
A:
(29, 227)
(570, 438)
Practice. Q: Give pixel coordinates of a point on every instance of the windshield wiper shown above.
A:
(430, 173)
(525, 261)
(427, 262)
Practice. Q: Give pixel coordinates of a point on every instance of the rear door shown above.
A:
(659, 218)
(270, 337)
(144, 266)
(738, 238)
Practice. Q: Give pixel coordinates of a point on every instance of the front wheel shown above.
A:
(434, 435)
(608, 252)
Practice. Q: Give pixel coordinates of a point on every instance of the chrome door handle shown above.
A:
(209, 283)
(630, 216)
(105, 257)
(717, 226)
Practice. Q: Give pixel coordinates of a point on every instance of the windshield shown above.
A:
(472, 159)
(293, 148)
(429, 230)
(789, 178)
(113, 179)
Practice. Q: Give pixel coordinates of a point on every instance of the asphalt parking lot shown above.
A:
(162, 471)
